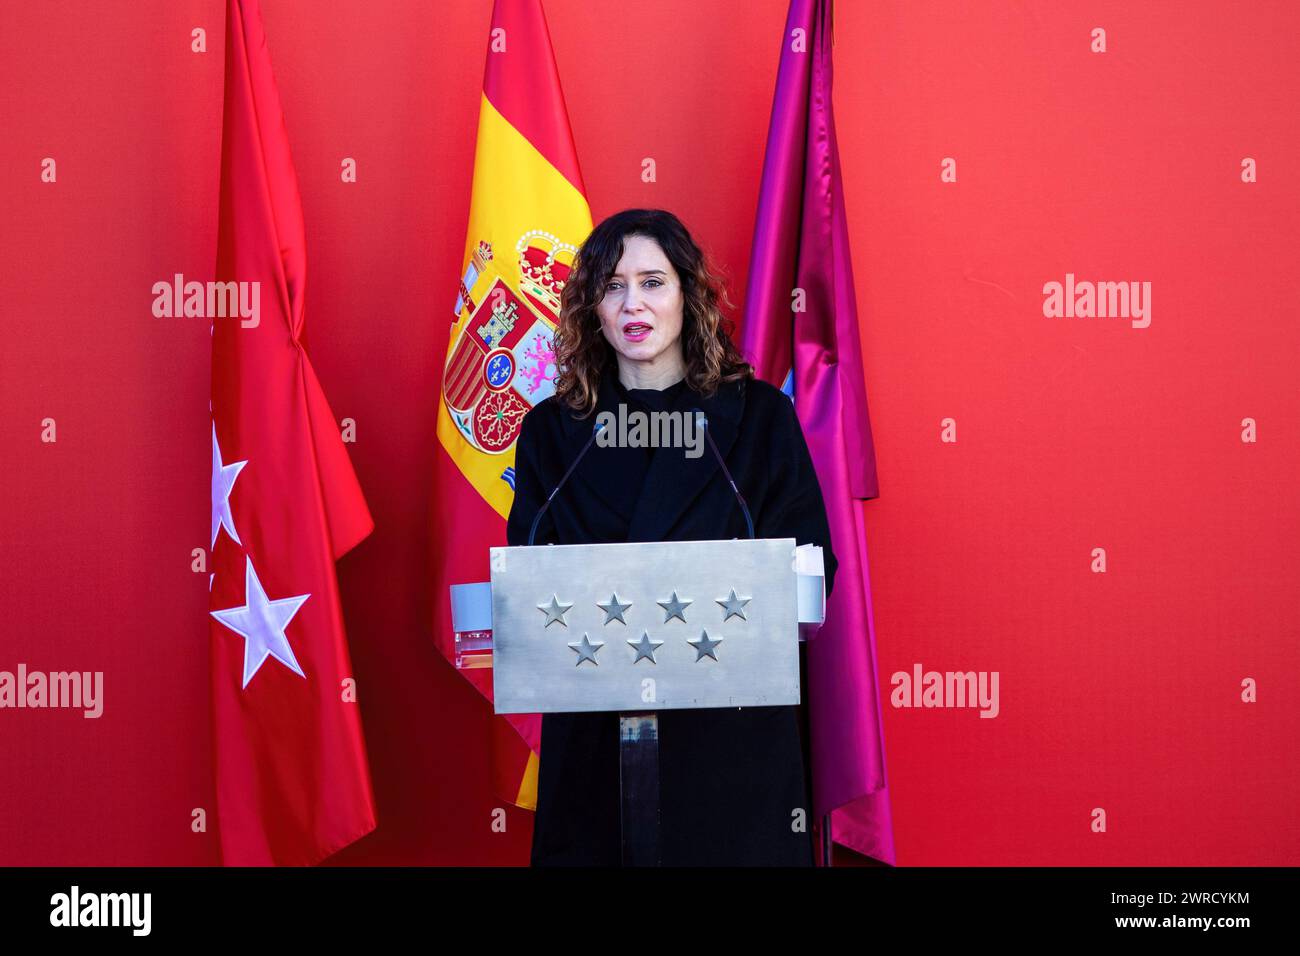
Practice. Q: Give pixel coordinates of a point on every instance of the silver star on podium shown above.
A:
(704, 646)
(733, 606)
(613, 610)
(586, 649)
(675, 608)
(554, 611)
(645, 648)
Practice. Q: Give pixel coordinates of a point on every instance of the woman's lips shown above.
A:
(637, 331)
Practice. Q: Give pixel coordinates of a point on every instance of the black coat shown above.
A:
(730, 778)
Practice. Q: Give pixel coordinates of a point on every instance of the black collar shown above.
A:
(674, 481)
(723, 408)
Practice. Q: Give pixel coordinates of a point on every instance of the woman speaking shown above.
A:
(640, 326)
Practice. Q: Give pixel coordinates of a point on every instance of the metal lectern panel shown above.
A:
(645, 626)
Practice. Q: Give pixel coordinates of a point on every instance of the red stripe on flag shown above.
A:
(523, 85)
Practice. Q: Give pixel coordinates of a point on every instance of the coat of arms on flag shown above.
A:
(501, 355)
(502, 361)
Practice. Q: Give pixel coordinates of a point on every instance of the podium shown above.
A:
(635, 628)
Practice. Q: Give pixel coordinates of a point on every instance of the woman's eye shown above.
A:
(650, 283)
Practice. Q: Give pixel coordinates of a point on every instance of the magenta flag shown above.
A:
(801, 332)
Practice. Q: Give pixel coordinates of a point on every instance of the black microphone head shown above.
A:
(700, 417)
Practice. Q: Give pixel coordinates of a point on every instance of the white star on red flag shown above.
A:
(223, 481)
(261, 623)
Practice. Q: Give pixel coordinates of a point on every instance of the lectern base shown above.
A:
(638, 758)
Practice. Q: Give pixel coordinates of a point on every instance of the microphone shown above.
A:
(704, 423)
(532, 532)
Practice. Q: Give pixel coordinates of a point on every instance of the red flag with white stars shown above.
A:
(292, 779)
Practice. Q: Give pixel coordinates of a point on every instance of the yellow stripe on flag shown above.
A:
(527, 797)
(517, 194)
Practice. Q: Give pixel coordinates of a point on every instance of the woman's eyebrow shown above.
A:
(643, 272)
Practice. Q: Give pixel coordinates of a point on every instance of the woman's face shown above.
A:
(641, 312)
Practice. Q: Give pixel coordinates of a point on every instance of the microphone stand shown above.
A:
(537, 519)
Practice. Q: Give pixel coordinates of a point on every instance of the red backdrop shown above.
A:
(1118, 690)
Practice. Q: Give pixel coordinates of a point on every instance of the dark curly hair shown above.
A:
(582, 353)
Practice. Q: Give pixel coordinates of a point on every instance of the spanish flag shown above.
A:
(528, 215)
